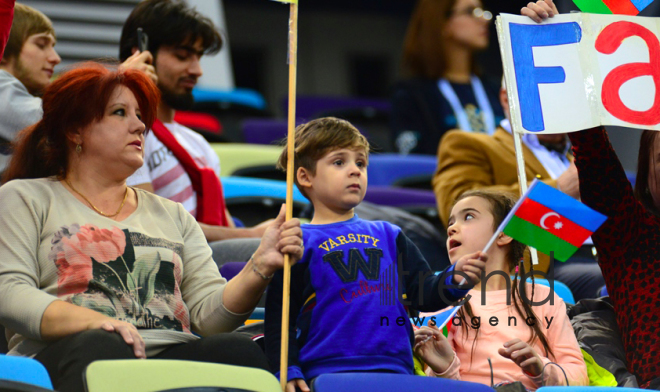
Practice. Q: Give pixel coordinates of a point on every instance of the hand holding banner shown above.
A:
(579, 71)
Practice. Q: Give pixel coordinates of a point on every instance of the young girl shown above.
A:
(503, 327)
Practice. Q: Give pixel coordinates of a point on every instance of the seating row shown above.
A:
(26, 374)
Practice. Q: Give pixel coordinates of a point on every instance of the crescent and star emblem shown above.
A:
(558, 225)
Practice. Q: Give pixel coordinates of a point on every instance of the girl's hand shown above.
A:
(539, 11)
(434, 348)
(523, 355)
(279, 238)
(471, 265)
(297, 382)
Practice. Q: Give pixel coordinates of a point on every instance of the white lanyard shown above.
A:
(482, 101)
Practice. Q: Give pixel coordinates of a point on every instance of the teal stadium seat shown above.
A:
(560, 289)
(24, 370)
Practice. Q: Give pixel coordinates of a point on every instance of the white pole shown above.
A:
(522, 179)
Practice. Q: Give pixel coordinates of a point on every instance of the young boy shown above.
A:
(347, 313)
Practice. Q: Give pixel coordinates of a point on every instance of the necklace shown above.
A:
(93, 206)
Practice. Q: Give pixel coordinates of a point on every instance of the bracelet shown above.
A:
(254, 268)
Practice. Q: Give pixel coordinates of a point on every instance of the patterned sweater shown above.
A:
(153, 269)
(345, 302)
(628, 246)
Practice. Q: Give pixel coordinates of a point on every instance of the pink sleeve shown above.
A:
(451, 372)
(564, 345)
(6, 18)
(454, 366)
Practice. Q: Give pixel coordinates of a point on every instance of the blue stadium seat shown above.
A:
(231, 269)
(632, 177)
(264, 130)
(309, 107)
(239, 187)
(242, 96)
(253, 200)
(560, 289)
(258, 314)
(395, 169)
(386, 382)
(585, 389)
(24, 370)
(400, 197)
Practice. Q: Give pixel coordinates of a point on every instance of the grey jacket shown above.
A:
(18, 109)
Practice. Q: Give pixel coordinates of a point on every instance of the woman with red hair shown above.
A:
(93, 269)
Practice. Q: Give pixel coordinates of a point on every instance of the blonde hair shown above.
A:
(27, 22)
(318, 137)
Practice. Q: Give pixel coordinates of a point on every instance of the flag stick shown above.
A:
(286, 287)
(510, 215)
(505, 222)
(522, 178)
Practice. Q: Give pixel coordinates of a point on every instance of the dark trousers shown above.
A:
(581, 273)
(67, 358)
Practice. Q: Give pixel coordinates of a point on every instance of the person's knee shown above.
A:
(238, 349)
(98, 344)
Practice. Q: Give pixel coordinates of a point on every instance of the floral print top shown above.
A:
(153, 269)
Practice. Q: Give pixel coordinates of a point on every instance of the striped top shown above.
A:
(166, 174)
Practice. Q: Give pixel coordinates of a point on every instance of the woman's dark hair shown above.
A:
(169, 23)
(500, 205)
(72, 102)
(424, 43)
(645, 157)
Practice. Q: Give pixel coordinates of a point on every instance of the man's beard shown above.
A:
(182, 101)
(22, 73)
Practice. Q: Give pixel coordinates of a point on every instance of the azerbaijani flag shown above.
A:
(441, 318)
(549, 220)
(621, 7)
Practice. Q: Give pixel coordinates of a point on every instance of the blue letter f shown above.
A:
(528, 77)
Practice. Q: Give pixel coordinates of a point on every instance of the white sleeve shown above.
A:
(141, 176)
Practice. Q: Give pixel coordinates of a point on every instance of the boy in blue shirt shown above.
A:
(349, 291)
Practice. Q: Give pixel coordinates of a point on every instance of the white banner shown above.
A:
(577, 71)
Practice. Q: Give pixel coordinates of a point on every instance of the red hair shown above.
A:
(72, 102)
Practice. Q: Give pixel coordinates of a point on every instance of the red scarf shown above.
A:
(205, 182)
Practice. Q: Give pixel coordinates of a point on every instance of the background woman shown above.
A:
(443, 93)
(92, 269)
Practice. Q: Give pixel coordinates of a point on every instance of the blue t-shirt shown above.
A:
(348, 300)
